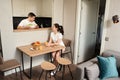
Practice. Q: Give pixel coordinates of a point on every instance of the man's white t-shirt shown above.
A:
(26, 23)
(56, 37)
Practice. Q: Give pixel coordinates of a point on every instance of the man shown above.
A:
(28, 23)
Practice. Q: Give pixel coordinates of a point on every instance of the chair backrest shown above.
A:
(1, 60)
(67, 42)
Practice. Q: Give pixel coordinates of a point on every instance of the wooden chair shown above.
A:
(47, 67)
(65, 63)
(9, 65)
(68, 49)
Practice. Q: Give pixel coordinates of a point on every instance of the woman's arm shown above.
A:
(53, 44)
(50, 42)
(58, 42)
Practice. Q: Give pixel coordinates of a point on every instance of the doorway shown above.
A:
(91, 25)
(100, 26)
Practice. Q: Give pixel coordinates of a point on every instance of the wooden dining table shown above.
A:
(30, 52)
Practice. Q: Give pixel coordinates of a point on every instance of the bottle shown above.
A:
(41, 25)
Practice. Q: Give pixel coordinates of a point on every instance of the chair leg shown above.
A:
(60, 67)
(2, 75)
(46, 75)
(16, 71)
(20, 73)
(54, 77)
(71, 54)
(63, 72)
(41, 74)
(70, 72)
(50, 74)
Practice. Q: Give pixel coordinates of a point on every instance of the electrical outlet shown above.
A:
(106, 38)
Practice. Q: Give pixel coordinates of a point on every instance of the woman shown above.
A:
(56, 37)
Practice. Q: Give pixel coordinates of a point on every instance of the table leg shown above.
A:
(22, 61)
(61, 53)
(30, 75)
(30, 67)
(63, 73)
(50, 57)
(60, 64)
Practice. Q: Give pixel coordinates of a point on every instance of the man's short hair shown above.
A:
(31, 14)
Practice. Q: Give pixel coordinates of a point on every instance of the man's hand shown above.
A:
(36, 27)
(27, 27)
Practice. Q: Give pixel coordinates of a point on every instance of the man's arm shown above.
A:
(36, 27)
(20, 27)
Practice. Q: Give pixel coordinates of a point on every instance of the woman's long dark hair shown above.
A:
(59, 28)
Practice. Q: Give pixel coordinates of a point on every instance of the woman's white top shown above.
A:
(56, 37)
(26, 23)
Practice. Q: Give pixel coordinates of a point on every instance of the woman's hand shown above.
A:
(51, 44)
(55, 44)
(48, 44)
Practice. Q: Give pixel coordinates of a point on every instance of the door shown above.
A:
(88, 29)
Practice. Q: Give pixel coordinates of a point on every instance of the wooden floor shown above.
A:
(36, 73)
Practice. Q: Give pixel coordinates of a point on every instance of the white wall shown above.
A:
(69, 19)
(113, 30)
(42, 8)
(10, 39)
(58, 12)
(47, 6)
